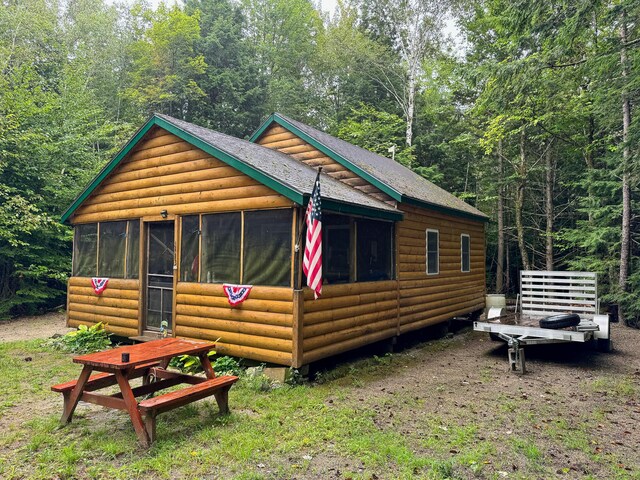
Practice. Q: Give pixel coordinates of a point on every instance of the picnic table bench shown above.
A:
(149, 361)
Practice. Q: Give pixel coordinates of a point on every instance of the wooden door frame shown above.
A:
(144, 253)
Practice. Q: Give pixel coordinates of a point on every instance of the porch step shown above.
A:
(145, 338)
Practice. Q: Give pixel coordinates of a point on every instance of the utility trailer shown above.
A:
(551, 297)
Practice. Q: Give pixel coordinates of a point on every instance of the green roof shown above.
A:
(278, 171)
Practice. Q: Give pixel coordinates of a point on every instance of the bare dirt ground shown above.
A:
(574, 414)
(28, 328)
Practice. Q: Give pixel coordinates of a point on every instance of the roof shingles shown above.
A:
(406, 184)
(280, 167)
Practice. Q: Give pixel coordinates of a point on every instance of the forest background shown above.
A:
(528, 114)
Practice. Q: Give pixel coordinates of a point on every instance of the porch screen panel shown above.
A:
(221, 242)
(112, 241)
(336, 250)
(133, 248)
(375, 250)
(85, 250)
(267, 248)
(189, 260)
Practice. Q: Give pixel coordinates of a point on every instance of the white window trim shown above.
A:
(437, 232)
(462, 253)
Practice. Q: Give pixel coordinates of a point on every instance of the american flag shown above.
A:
(312, 264)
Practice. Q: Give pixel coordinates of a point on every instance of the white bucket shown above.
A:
(496, 300)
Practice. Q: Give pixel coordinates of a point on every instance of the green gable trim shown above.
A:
(350, 166)
(439, 208)
(196, 142)
(107, 170)
(327, 151)
(229, 159)
(262, 128)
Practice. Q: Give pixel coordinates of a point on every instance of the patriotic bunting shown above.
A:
(236, 294)
(99, 284)
(312, 263)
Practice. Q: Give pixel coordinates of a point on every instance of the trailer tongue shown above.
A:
(554, 307)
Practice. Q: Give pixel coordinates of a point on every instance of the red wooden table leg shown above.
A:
(71, 401)
(206, 365)
(132, 408)
(222, 398)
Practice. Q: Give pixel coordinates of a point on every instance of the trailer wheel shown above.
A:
(604, 345)
(560, 321)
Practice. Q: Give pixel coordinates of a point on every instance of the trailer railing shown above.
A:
(544, 293)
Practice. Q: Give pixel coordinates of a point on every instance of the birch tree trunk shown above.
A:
(500, 261)
(626, 190)
(519, 201)
(411, 101)
(548, 205)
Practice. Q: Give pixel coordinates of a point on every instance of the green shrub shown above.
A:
(227, 366)
(83, 340)
(189, 363)
(294, 378)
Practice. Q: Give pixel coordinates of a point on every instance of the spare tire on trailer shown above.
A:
(560, 321)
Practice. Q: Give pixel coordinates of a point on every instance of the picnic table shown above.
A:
(150, 361)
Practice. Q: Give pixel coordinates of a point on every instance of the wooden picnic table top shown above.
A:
(155, 350)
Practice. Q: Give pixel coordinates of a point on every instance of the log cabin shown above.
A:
(182, 210)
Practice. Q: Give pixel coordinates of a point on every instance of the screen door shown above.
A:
(160, 262)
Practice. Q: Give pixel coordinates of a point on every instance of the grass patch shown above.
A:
(623, 387)
(352, 419)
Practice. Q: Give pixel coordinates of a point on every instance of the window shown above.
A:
(111, 249)
(85, 250)
(267, 248)
(221, 238)
(133, 248)
(465, 252)
(433, 237)
(190, 244)
(374, 251)
(337, 250)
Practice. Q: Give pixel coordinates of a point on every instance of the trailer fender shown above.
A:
(603, 331)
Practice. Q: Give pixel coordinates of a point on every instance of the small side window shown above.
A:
(433, 253)
(465, 252)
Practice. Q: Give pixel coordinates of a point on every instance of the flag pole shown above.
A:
(303, 218)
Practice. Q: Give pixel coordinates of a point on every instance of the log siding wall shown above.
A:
(429, 299)
(166, 173)
(351, 315)
(261, 328)
(117, 307)
(348, 316)
(281, 139)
